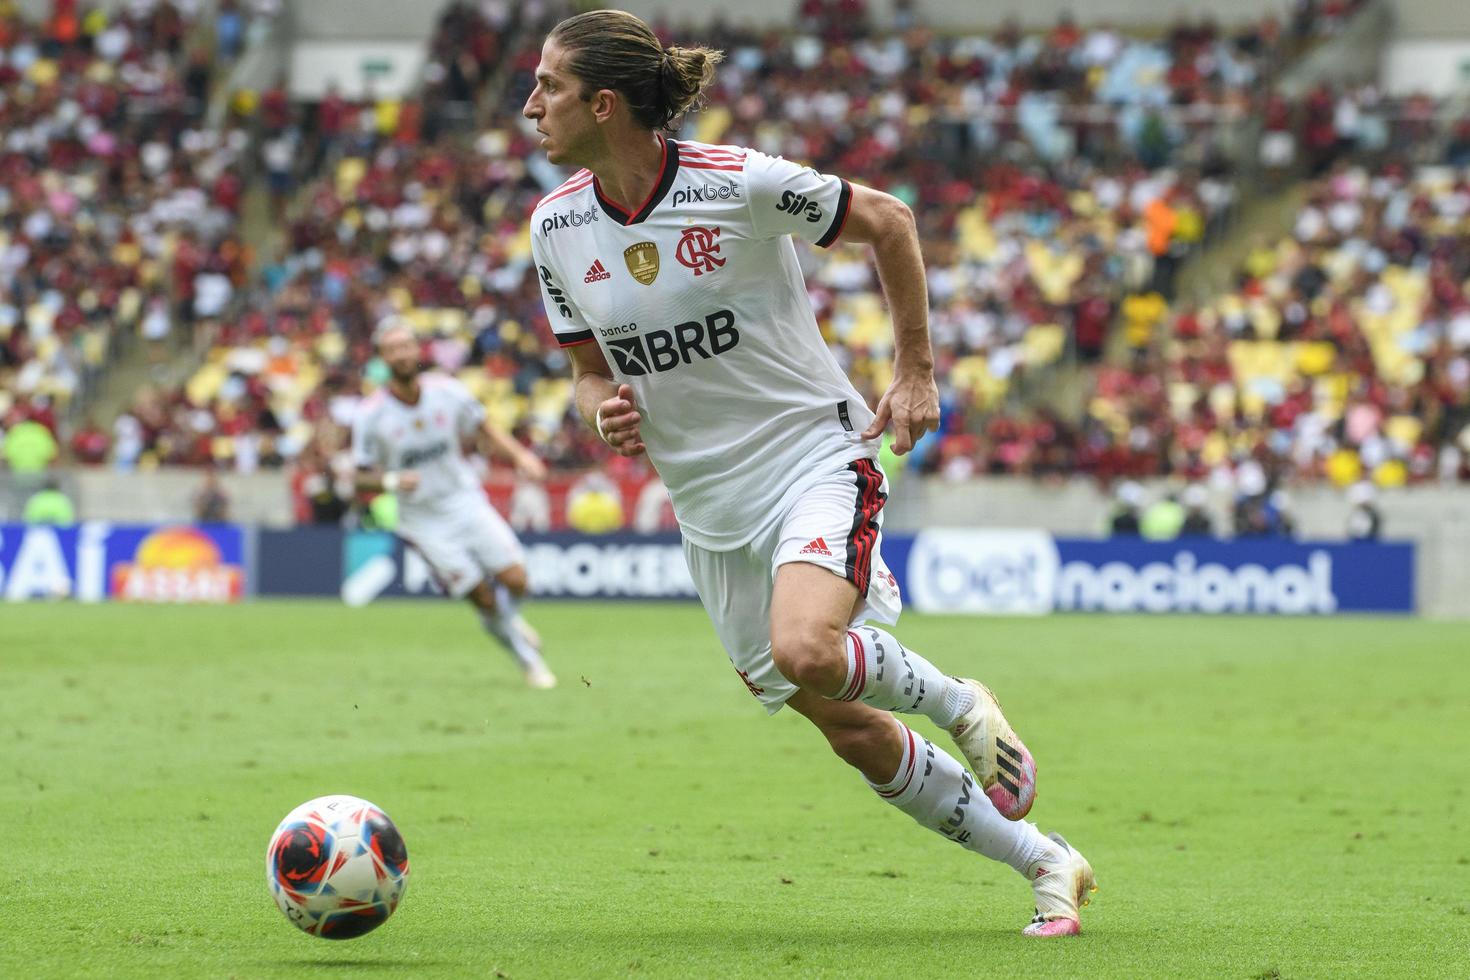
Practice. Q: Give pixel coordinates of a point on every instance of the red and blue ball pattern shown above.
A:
(337, 867)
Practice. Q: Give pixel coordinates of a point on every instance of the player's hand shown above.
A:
(620, 420)
(408, 481)
(529, 465)
(911, 403)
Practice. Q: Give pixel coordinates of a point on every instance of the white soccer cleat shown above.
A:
(1000, 760)
(1062, 887)
(540, 678)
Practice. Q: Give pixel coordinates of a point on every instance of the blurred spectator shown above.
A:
(1365, 521)
(89, 443)
(1163, 520)
(229, 30)
(29, 446)
(1197, 520)
(324, 492)
(1124, 521)
(211, 501)
(49, 506)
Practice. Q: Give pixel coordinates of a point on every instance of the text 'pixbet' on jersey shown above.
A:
(657, 351)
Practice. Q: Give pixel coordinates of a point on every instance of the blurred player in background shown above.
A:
(408, 439)
(668, 272)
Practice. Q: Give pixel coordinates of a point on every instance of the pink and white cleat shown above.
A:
(1063, 883)
(1000, 760)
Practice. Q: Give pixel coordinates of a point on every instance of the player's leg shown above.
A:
(830, 577)
(736, 589)
(512, 584)
(486, 597)
(933, 788)
(498, 553)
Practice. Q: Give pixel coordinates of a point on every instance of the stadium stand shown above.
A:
(1104, 166)
(117, 206)
(1343, 352)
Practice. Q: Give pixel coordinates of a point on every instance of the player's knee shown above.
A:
(810, 657)
(482, 596)
(514, 579)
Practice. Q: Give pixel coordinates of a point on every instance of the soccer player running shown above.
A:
(669, 274)
(408, 439)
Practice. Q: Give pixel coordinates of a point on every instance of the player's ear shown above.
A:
(605, 102)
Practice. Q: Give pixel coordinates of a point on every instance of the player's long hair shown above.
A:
(615, 50)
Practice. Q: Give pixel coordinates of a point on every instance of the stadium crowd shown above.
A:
(410, 220)
(1075, 221)
(1341, 353)
(118, 205)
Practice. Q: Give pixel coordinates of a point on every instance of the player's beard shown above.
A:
(405, 377)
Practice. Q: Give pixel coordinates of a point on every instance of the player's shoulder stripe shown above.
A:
(577, 181)
(711, 151)
(702, 157)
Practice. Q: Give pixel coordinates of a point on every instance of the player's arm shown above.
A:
(371, 477)
(375, 479)
(604, 404)
(787, 199)
(504, 445)
(912, 400)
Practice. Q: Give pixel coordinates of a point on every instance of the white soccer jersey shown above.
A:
(428, 438)
(698, 302)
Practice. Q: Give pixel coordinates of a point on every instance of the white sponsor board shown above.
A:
(977, 570)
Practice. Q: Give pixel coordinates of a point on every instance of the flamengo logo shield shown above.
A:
(698, 249)
(642, 259)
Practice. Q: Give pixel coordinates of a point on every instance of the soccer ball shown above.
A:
(337, 867)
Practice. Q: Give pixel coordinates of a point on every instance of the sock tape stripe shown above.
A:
(911, 755)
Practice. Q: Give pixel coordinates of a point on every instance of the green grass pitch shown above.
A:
(1259, 797)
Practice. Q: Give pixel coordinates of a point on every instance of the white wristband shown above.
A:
(597, 418)
(390, 481)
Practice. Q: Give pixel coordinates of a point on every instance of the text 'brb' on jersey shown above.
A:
(699, 304)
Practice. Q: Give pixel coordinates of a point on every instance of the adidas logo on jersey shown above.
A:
(816, 546)
(597, 273)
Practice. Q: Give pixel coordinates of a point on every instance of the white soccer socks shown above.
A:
(932, 787)
(501, 624)
(882, 673)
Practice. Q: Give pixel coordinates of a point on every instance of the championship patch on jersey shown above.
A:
(642, 260)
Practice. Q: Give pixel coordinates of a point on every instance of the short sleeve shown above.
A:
(787, 199)
(469, 413)
(566, 320)
(364, 446)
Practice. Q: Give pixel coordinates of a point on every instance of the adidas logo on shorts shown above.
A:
(597, 273)
(816, 546)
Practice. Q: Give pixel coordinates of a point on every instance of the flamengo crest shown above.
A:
(642, 260)
(698, 249)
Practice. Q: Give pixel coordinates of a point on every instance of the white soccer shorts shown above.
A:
(465, 549)
(836, 524)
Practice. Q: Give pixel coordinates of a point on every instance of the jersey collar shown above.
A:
(668, 170)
